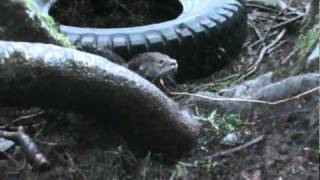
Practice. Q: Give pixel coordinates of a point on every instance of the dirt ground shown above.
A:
(80, 147)
(112, 13)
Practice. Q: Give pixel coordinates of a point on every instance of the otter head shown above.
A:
(153, 65)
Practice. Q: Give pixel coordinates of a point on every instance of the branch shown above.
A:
(28, 146)
(236, 149)
(249, 100)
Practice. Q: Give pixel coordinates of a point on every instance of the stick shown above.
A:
(28, 146)
(256, 30)
(287, 22)
(236, 149)
(262, 54)
(10, 158)
(249, 100)
(261, 7)
(21, 118)
(223, 153)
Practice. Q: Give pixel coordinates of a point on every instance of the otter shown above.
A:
(153, 65)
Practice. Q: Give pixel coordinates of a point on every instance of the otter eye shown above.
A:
(161, 61)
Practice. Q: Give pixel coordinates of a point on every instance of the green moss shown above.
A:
(52, 27)
(30, 4)
(48, 24)
(306, 43)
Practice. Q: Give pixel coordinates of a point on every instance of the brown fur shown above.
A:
(152, 65)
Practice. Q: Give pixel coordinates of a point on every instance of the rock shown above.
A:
(284, 149)
(231, 139)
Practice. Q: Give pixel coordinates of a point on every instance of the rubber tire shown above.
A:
(203, 38)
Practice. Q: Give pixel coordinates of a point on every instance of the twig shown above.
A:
(273, 43)
(222, 153)
(261, 7)
(236, 149)
(245, 175)
(257, 173)
(10, 158)
(124, 7)
(75, 167)
(261, 41)
(261, 38)
(267, 34)
(228, 78)
(292, 53)
(21, 118)
(249, 100)
(289, 21)
(269, 51)
(28, 146)
(312, 137)
(255, 29)
(262, 54)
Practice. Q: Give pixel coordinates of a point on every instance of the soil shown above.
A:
(114, 13)
(80, 147)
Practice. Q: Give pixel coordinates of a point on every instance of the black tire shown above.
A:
(203, 38)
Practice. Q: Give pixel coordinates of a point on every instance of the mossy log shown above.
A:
(34, 74)
(20, 20)
(306, 43)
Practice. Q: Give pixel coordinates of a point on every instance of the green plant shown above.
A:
(229, 123)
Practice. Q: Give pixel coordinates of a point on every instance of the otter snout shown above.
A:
(169, 62)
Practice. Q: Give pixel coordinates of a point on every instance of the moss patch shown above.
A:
(48, 24)
(52, 28)
(306, 43)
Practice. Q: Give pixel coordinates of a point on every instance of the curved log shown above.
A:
(35, 74)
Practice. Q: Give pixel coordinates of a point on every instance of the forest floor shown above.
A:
(79, 148)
